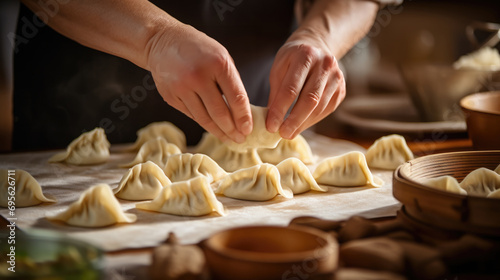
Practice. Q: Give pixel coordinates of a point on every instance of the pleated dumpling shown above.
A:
(89, 148)
(287, 148)
(97, 207)
(481, 182)
(186, 166)
(231, 160)
(165, 130)
(347, 170)
(497, 170)
(388, 152)
(296, 176)
(194, 197)
(142, 182)
(494, 194)
(21, 188)
(445, 183)
(258, 183)
(207, 144)
(156, 150)
(259, 137)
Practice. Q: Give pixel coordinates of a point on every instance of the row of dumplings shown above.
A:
(481, 182)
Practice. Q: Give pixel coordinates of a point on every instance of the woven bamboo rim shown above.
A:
(442, 209)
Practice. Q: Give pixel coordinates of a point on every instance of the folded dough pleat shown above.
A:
(258, 183)
(193, 197)
(481, 182)
(259, 137)
(388, 152)
(444, 183)
(142, 182)
(347, 170)
(287, 148)
(89, 148)
(166, 130)
(296, 176)
(27, 190)
(182, 167)
(156, 150)
(97, 207)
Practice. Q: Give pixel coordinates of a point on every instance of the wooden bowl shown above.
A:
(270, 252)
(445, 210)
(482, 115)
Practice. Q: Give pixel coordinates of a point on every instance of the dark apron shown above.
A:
(62, 88)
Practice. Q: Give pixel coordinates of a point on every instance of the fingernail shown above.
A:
(286, 132)
(274, 126)
(246, 128)
(239, 138)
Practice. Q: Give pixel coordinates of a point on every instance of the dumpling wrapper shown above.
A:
(142, 182)
(231, 160)
(89, 148)
(182, 167)
(497, 170)
(194, 197)
(96, 207)
(347, 170)
(27, 191)
(481, 182)
(259, 137)
(165, 130)
(287, 148)
(388, 152)
(207, 144)
(258, 183)
(445, 183)
(156, 150)
(296, 176)
(494, 194)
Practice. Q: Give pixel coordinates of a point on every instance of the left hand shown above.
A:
(304, 67)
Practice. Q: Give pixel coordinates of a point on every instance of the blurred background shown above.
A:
(413, 36)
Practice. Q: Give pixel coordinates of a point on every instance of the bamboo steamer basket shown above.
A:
(435, 209)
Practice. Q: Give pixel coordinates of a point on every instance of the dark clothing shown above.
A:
(62, 88)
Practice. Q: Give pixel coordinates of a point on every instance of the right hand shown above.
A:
(194, 73)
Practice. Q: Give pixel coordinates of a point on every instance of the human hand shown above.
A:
(194, 74)
(304, 67)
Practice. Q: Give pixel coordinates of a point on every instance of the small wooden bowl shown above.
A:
(482, 115)
(270, 252)
(445, 210)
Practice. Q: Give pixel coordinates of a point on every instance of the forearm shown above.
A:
(125, 28)
(339, 23)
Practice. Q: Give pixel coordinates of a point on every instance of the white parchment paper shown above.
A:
(67, 182)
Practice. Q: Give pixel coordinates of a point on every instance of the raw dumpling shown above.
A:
(89, 148)
(186, 166)
(232, 161)
(296, 176)
(194, 197)
(141, 182)
(494, 194)
(21, 188)
(297, 147)
(156, 150)
(207, 144)
(165, 130)
(259, 183)
(445, 183)
(481, 182)
(497, 170)
(259, 137)
(388, 152)
(347, 170)
(97, 207)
